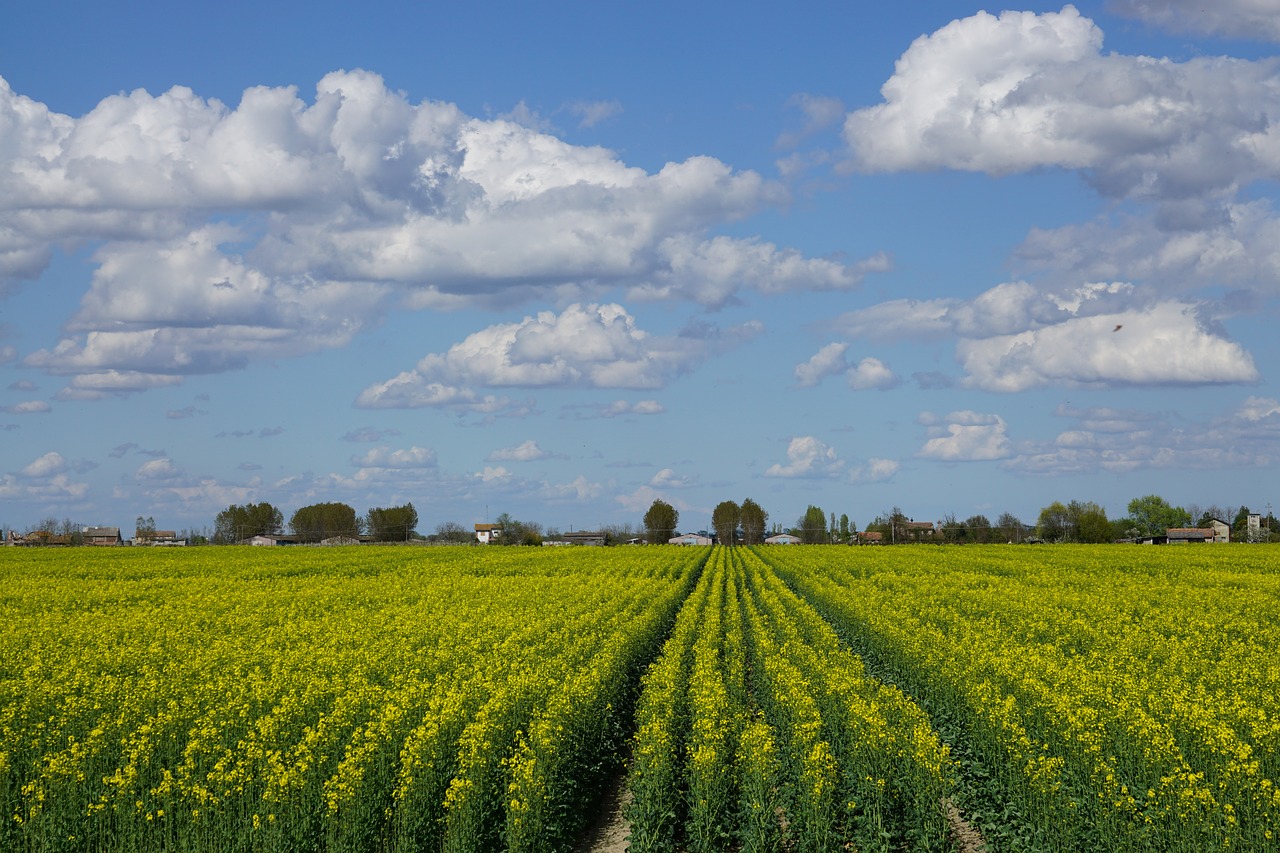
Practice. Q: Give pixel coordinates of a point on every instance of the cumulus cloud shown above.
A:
(1248, 19)
(384, 457)
(1020, 91)
(831, 360)
(1162, 345)
(967, 436)
(1017, 336)
(828, 361)
(28, 407)
(525, 451)
(1123, 440)
(46, 466)
(277, 226)
(807, 457)
(591, 346)
(158, 469)
(871, 373)
(667, 478)
(874, 470)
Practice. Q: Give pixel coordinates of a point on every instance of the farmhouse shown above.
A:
(783, 539)
(690, 539)
(1190, 535)
(487, 533)
(102, 536)
(271, 539)
(871, 537)
(165, 538)
(584, 537)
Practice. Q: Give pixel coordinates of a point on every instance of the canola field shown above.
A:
(1065, 698)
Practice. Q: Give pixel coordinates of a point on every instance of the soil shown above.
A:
(964, 835)
(609, 832)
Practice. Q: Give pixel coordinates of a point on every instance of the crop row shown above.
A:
(391, 699)
(1116, 699)
(758, 729)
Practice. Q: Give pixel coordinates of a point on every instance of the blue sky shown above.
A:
(559, 262)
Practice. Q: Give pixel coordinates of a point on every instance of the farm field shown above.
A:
(1064, 698)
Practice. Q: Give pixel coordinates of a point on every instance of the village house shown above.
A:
(102, 536)
(486, 534)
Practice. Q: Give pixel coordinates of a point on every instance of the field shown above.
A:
(817, 698)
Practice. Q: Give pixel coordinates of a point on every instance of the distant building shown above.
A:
(164, 538)
(102, 536)
(1190, 535)
(584, 537)
(871, 537)
(487, 533)
(783, 539)
(690, 539)
(271, 539)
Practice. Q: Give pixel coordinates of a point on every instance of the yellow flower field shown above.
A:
(474, 699)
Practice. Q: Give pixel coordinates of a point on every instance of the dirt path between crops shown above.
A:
(609, 832)
(964, 835)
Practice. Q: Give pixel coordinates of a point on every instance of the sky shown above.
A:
(561, 260)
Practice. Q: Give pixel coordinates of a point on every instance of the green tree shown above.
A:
(1009, 527)
(660, 522)
(237, 523)
(891, 526)
(1089, 522)
(317, 522)
(725, 518)
(846, 531)
(1054, 524)
(753, 519)
(144, 529)
(812, 526)
(1152, 515)
(977, 528)
(392, 524)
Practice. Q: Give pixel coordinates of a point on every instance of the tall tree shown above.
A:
(1089, 522)
(318, 522)
(1152, 515)
(754, 519)
(392, 524)
(660, 522)
(1009, 527)
(1054, 523)
(812, 526)
(977, 528)
(846, 532)
(237, 523)
(725, 518)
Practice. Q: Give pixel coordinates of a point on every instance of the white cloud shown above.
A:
(967, 436)
(876, 470)
(384, 457)
(642, 498)
(1162, 345)
(871, 373)
(667, 478)
(1023, 90)
(1119, 441)
(28, 407)
(158, 469)
(593, 346)
(527, 451)
(807, 457)
(46, 466)
(347, 205)
(1249, 19)
(492, 474)
(827, 361)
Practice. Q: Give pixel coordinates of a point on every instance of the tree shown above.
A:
(753, 519)
(1054, 523)
(1152, 515)
(725, 518)
(846, 532)
(812, 526)
(1009, 527)
(977, 528)
(1089, 522)
(891, 526)
(660, 522)
(237, 523)
(452, 531)
(317, 522)
(144, 529)
(392, 524)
